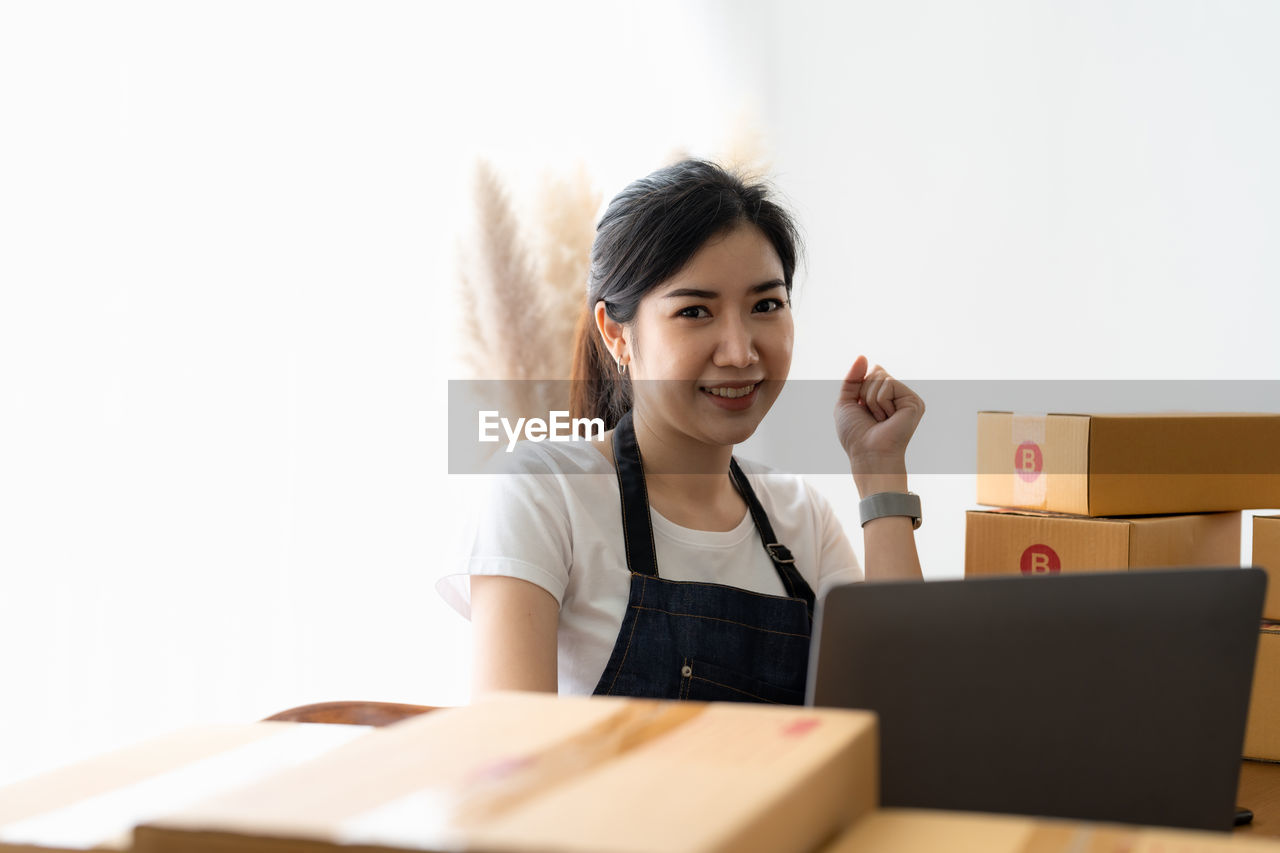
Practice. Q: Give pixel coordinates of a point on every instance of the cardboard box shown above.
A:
(1009, 542)
(1266, 553)
(1262, 734)
(921, 831)
(1104, 465)
(94, 804)
(536, 772)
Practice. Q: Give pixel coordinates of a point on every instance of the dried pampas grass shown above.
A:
(499, 286)
(566, 227)
(521, 306)
(500, 298)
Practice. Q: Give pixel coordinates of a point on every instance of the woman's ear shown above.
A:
(612, 333)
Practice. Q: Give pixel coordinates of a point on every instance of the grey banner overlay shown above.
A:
(798, 434)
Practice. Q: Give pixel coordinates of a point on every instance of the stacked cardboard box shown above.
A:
(1108, 465)
(1097, 492)
(1266, 554)
(1262, 738)
(1004, 542)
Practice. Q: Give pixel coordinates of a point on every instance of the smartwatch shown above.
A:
(890, 503)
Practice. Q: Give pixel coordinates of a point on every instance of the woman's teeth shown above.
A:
(731, 393)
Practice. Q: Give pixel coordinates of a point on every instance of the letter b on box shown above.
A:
(1040, 560)
(1028, 461)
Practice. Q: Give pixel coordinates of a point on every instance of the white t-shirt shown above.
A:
(555, 520)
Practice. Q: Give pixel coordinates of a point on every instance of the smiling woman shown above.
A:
(655, 563)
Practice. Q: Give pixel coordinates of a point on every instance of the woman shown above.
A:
(653, 563)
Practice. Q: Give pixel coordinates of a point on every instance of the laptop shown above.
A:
(1117, 696)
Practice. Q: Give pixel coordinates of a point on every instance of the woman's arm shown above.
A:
(876, 415)
(514, 625)
(889, 542)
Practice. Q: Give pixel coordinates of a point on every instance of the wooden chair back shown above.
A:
(353, 713)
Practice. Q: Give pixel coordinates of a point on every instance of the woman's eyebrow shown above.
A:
(695, 293)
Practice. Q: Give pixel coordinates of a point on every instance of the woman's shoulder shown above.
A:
(548, 479)
(539, 487)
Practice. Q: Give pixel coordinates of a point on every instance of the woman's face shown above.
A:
(710, 348)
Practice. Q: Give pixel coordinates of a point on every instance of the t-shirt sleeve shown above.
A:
(520, 529)
(837, 562)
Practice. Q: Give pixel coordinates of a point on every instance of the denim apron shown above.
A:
(704, 641)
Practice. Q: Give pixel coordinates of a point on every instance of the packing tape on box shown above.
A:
(105, 820)
(438, 817)
(1027, 437)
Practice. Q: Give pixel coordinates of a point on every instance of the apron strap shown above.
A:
(783, 561)
(637, 531)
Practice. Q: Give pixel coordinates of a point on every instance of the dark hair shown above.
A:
(649, 232)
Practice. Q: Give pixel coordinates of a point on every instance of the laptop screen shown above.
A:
(1104, 696)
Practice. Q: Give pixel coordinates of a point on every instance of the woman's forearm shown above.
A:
(889, 542)
(890, 547)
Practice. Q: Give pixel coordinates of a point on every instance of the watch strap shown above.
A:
(882, 504)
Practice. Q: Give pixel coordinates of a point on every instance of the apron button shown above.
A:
(686, 671)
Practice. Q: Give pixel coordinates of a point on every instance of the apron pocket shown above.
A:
(706, 682)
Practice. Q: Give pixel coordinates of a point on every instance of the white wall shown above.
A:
(1004, 190)
(1040, 190)
(226, 236)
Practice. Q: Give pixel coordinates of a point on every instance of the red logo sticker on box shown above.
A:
(801, 727)
(1040, 560)
(1028, 461)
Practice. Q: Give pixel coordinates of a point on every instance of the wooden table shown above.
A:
(1260, 792)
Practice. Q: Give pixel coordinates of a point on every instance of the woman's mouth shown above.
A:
(734, 397)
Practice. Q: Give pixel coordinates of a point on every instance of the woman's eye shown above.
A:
(695, 312)
(770, 304)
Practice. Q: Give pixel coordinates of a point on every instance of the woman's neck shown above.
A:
(675, 464)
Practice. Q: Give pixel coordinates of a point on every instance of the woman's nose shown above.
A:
(736, 347)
